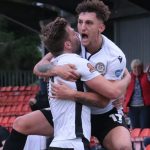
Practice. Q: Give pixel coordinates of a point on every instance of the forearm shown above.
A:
(44, 65)
(90, 98)
(123, 84)
(109, 89)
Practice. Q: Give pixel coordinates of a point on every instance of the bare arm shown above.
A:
(45, 61)
(110, 89)
(44, 68)
(62, 91)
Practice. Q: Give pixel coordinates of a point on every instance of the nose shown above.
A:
(83, 27)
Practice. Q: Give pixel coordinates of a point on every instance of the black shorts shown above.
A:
(48, 115)
(103, 123)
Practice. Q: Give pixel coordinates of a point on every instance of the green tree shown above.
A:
(17, 53)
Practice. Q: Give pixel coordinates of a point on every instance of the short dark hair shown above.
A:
(102, 11)
(54, 35)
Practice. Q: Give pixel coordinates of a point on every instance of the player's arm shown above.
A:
(62, 91)
(110, 89)
(42, 65)
(45, 68)
(91, 98)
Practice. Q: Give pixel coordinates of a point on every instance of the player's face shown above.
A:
(74, 39)
(89, 27)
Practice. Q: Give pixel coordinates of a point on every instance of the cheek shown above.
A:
(79, 27)
(134, 71)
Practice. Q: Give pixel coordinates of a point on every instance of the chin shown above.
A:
(85, 44)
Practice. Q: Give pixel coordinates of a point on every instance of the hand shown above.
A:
(118, 103)
(67, 72)
(126, 72)
(62, 91)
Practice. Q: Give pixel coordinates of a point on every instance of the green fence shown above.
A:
(17, 78)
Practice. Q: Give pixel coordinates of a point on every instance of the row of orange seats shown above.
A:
(14, 109)
(16, 90)
(139, 134)
(19, 88)
(137, 137)
(12, 100)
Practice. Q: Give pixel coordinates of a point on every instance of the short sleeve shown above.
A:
(116, 68)
(87, 70)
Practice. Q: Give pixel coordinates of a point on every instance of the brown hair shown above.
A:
(54, 35)
(101, 10)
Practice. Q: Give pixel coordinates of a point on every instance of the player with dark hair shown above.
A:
(109, 60)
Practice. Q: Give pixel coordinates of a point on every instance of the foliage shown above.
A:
(18, 53)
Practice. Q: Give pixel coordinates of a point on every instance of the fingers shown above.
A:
(72, 76)
(53, 93)
(72, 66)
(60, 82)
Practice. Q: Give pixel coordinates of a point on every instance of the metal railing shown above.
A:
(17, 78)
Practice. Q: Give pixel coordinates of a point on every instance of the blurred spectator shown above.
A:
(138, 96)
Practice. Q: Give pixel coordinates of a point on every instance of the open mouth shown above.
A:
(84, 36)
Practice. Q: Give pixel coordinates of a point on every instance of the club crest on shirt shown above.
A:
(91, 68)
(118, 72)
(100, 67)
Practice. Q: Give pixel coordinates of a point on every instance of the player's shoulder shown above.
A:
(112, 48)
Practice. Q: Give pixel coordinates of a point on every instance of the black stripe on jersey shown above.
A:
(52, 78)
(78, 111)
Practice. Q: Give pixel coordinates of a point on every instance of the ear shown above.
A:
(67, 44)
(101, 28)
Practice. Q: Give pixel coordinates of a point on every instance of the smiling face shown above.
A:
(90, 29)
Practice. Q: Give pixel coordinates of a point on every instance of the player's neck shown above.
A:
(94, 47)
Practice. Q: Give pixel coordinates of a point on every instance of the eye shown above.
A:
(89, 22)
(80, 21)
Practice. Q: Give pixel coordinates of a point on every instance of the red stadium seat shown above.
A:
(26, 108)
(5, 121)
(15, 88)
(21, 98)
(145, 133)
(11, 120)
(1, 118)
(135, 133)
(136, 140)
(147, 147)
(2, 109)
(8, 88)
(7, 110)
(22, 88)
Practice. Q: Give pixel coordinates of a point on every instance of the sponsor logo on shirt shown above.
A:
(100, 67)
(118, 72)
